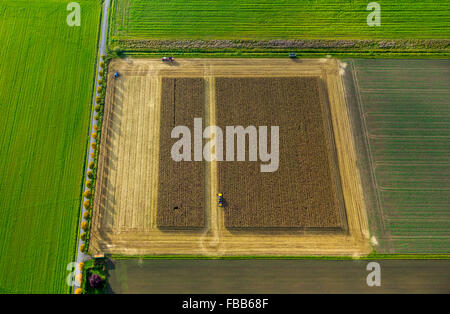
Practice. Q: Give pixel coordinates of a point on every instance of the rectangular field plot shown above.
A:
(181, 184)
(405, 108)
(286, 19)
(127, 171)
(149, 203)
(303, 192)
(47, 73)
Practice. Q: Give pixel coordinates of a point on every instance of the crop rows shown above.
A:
(303, 192)
(47, 71)
(405, 106)
(284, 19)
(181, 184)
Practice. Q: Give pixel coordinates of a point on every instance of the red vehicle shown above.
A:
(167, 59)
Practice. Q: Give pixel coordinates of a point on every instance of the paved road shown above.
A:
(276, 276)
(81, 257)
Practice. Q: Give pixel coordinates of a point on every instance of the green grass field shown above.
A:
(405, 105)
(282, 19)
(46, 83)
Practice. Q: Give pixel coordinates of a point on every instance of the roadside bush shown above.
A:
(96, 118)
(83, 236)
(94, 136)
(89, 183)
(92, 155)
(94, 146)
(86, 215)
(79, 277)
(86, 204)
(97, 108)
(90, 174)
(84, 226)
(95, 281)
(91, 165)
(100, 81)
(81, 266)
(87, 194)
(78, 291)
(99, 89)
(95, 277)
(117, 51)
(100, 72)
(95, 127)
(82, 247)
(102, 64)
(97, 99)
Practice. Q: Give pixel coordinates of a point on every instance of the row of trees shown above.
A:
(94, 278)
(91, 172)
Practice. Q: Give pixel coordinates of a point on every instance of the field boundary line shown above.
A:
(353, 195)
(368, 149)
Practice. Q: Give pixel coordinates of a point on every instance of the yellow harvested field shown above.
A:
(126, 197)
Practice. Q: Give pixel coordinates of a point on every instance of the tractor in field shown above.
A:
(116, 74)
(220, 199)
(167, 59)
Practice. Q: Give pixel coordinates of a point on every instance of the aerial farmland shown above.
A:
(154, 130)
(177, 206)
(405, 112)
(180, 185)
(307, 165)
(45, 107)
(264, 19)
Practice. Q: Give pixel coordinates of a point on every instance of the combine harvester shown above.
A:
(220, 199)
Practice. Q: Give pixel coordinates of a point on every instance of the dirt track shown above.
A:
(125, 205)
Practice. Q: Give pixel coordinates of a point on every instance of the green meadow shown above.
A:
(405, 109)
(46, 83)
(282, 19)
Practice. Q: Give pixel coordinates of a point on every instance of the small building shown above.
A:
(99, 256)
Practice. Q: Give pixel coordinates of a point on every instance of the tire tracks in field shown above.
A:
(210, 239)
